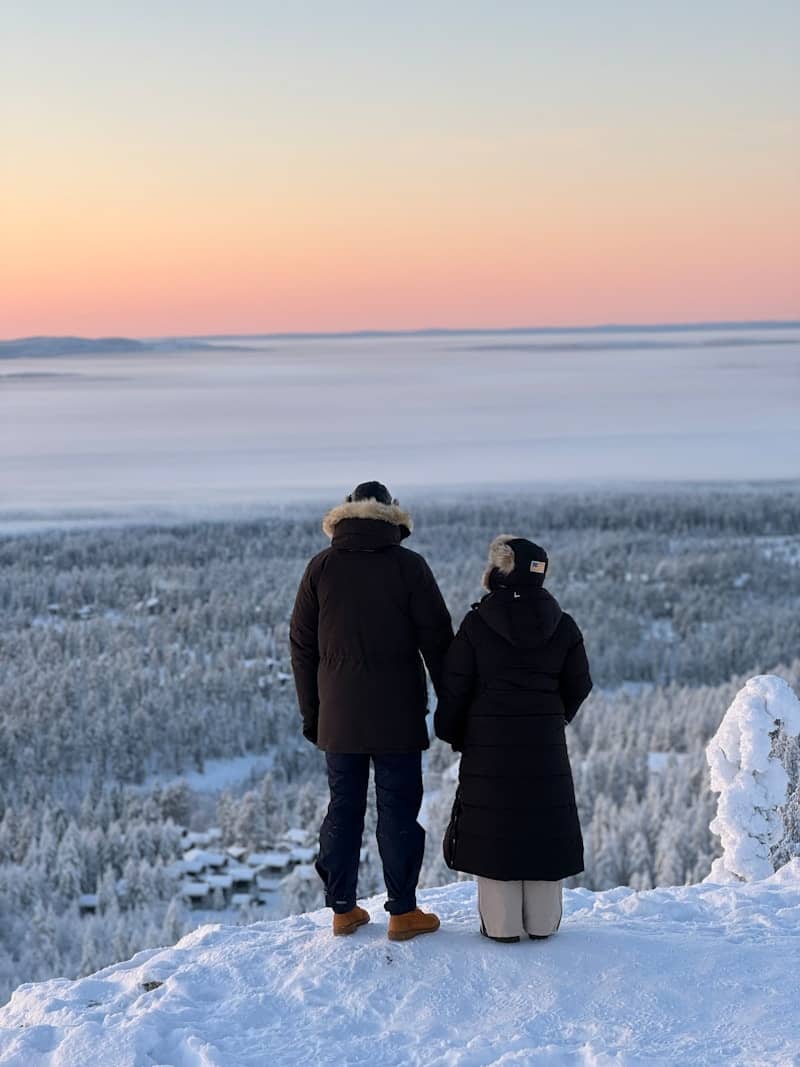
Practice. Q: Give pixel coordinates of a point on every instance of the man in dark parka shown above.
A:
(367, 607)
(514, 676)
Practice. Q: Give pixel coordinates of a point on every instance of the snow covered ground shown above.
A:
(222, 431)
(217, 774)
(701, 974)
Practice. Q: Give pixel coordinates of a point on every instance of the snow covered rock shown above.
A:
(751, 781)
(696, 974)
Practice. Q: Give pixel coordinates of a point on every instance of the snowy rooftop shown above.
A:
(190, 866)
(195, 837)
(219, 881)
(305, 871)
(204, 858)
(195, 889)
(276, 859)
(296, 836)
(303, 855)
(241, 874)
(696, 975)
(267, 883)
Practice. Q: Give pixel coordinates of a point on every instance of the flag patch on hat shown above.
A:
(538, 566)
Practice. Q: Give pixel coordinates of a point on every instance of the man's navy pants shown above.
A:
(401, 840)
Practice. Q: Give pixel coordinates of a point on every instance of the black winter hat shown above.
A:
(514, 561)
(372, 491)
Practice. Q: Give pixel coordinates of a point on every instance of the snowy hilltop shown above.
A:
(695, 974)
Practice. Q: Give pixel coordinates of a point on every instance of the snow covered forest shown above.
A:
(133, 656)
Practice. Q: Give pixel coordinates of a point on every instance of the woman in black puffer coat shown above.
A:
(514, 676)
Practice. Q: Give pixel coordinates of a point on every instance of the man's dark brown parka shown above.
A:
(368, 611)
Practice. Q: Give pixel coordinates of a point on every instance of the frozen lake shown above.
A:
(228, 430)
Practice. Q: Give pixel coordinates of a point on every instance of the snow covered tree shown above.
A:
(48, 848)
(90, 949)
(251, 826)
(174, 924)
(226, 817)
(310, 805)
(273, 802)
(69, 864)
(107, 892)
(121, 942)
(176, 802)
(669, 866)
(751, 781)
(302, 890)
(787, 749)
(639, 861)
(43, 933)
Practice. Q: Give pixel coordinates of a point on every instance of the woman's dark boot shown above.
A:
(502, 940)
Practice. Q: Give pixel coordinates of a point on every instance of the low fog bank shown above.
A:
(228, 431)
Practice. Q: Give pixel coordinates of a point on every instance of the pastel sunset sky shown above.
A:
(189, 168)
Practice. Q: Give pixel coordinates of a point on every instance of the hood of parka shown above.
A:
(525, 617)
(367, 524)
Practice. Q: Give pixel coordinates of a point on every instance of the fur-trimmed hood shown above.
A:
(368, 509)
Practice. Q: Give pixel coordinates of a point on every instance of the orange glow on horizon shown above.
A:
(206, 264)
(324, 192)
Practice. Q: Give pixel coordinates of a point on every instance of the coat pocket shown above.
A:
(450, 841)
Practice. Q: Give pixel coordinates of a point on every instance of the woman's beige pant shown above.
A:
(513, 909)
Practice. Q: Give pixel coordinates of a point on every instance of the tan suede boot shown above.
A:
(410, 923)
(349, 921)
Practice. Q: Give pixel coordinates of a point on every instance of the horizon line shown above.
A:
(434, 331)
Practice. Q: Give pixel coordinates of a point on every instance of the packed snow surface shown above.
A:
(702, 974)
(209, 430)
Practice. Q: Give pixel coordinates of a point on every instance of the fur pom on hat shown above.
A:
(511, 555)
